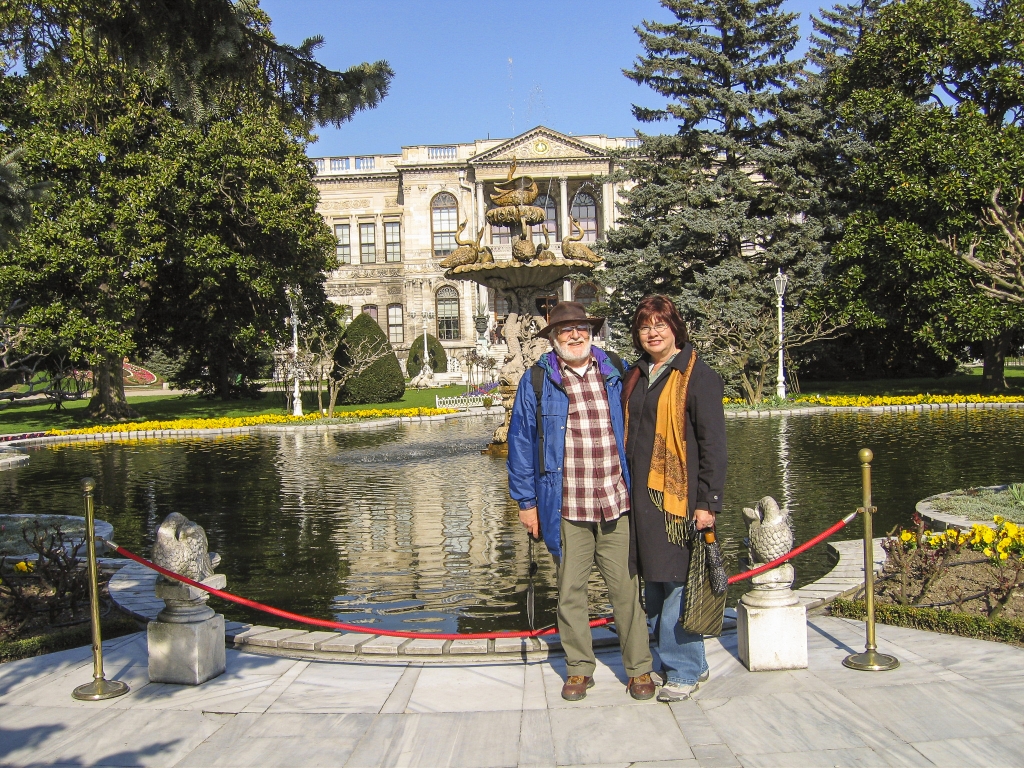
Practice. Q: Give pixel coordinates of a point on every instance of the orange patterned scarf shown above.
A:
(666, 482)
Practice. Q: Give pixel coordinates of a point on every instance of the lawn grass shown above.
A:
(41, 416)
(958, 384)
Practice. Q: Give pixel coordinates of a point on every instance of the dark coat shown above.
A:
(650, 552)
(536, 480)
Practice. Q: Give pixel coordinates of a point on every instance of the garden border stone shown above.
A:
(943, 521)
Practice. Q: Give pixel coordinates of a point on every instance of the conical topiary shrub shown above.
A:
(382, 381)
(438, 358)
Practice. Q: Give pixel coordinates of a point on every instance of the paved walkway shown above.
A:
(953, 702)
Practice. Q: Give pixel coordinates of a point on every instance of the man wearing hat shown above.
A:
(567, 471)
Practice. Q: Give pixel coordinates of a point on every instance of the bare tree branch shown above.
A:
(360, 357)
(1003, 274)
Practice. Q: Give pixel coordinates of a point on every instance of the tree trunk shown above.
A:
(109, 402)
(995, 358)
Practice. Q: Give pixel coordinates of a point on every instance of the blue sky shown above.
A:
(453, 78)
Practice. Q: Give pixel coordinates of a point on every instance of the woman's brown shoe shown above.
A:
(641, 688)
(576, 686)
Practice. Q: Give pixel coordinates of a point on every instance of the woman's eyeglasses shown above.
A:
(647, 330)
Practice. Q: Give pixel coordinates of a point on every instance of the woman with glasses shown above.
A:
(675, 450)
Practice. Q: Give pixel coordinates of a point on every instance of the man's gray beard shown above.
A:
(563, 351)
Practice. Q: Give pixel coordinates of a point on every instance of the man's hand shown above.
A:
(703, 518)
(528, 517)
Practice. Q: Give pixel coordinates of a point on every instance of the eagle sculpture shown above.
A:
(769, 531)
(181, 547)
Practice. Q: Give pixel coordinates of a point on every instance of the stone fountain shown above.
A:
(534, 271)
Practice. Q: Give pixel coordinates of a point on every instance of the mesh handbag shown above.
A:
(704, 610)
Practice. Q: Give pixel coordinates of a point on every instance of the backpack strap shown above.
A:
(616, 361)
(537, 377)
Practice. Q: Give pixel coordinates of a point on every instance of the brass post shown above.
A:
(870, 660)
(99, 688)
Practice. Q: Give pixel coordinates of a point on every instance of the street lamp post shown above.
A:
(296, 390)
(779, 281)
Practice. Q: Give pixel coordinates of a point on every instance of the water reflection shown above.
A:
(412, 527)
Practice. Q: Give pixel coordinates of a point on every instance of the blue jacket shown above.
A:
(527, 484)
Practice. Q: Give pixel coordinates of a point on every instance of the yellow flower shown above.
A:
(987, 552)
(1003, 555)
(24, 567)
(998, 519)
(906, 536)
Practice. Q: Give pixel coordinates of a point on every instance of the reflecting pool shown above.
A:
(411, 527)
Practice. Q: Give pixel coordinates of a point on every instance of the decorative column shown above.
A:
(481, 207)
(607, 206)
(563, 206)
(566, 290)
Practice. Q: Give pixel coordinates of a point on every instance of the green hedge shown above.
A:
(438, 358)
(113, 626)
(933, 620)
(383, 381)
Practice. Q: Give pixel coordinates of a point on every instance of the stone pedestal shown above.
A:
(186, 642)
(771, 624)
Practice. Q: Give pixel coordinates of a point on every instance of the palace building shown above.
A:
(397, 216)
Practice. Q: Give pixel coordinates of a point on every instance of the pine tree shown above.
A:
(715, 209)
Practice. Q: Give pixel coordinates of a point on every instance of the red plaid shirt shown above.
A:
(593, 488)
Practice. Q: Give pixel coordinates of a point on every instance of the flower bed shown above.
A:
(975, 571)
(867, 401)
(251, 421)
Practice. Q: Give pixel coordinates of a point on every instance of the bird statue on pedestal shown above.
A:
(769, 530)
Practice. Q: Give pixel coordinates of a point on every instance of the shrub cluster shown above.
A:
(438, 357)
(383, 381)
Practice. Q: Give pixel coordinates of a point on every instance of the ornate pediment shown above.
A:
(539, 144)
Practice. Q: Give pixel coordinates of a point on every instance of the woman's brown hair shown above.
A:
(653, 309)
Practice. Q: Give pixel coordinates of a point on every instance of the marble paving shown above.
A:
(952, 702)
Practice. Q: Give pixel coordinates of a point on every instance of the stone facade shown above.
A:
(397, 216)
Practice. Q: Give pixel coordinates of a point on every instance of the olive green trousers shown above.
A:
(606, 544)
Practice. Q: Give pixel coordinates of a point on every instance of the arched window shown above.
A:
(448, 314)
(444, 222)
(584, 210)
(585, 294)
(371, 310)
(550, 219)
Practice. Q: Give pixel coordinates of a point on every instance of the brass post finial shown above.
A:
(866, 455)
(88, 485)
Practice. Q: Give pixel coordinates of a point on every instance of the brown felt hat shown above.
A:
(569, 313)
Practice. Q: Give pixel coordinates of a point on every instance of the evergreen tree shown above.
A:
(716, 209)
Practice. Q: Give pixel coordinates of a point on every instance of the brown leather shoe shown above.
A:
(576, 686)
(641, 688)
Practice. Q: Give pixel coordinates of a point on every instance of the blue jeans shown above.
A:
(682, 652)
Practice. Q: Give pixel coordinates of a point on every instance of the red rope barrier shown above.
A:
(300, 619)
(793, 552)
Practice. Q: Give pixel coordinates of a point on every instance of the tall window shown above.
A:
(585, 294)
(344, 247)
(371, 310)
(448, 314)
(584, 210)
(392, 241)
(367, 244)
(545, 304)
(550, 220)
(500, 234)
(444, 222)
(396, 331)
